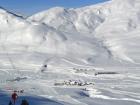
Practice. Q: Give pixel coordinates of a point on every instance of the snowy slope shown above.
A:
(33, 40)
(87, 35)
(92, 55)
(114, 24)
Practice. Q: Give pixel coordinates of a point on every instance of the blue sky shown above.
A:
(29, 7)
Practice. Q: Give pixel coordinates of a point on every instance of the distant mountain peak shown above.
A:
(91, 34)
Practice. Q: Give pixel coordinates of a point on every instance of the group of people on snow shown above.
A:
(74, 83)
(14, 97)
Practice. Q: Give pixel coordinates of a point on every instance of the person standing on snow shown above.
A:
(14, 97)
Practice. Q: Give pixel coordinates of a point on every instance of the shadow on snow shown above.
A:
(5, 98)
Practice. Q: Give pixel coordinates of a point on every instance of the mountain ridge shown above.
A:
(91, 34)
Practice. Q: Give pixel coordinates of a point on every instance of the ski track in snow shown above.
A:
(106, 88)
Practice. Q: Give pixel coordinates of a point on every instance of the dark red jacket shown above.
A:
(14, 96)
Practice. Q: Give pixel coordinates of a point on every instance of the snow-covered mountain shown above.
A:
(88, 35)
(81, 56)
(114, 24)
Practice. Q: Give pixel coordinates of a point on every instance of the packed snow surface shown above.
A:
(75, 56)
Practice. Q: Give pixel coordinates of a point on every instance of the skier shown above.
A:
(44, 68)
(14, 97)
(24, 102)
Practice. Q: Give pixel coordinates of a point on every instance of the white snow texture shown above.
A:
(105, 36)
